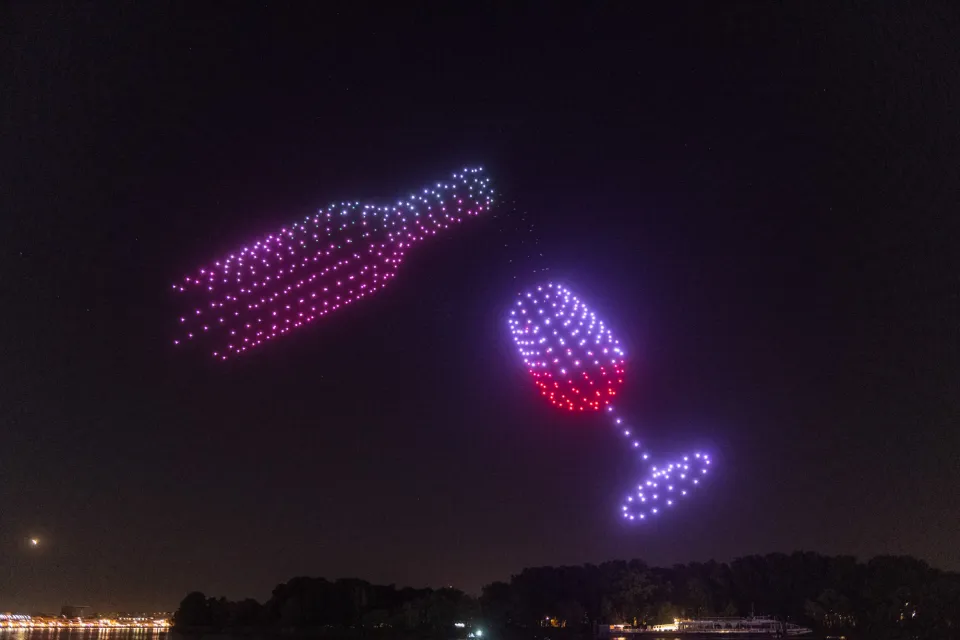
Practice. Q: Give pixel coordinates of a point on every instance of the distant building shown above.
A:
(74, 610)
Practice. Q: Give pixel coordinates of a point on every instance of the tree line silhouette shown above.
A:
(886, 597)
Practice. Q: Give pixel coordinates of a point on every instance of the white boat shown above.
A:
(752, 627)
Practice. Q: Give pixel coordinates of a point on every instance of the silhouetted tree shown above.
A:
(246, 613)
(496, 604)
(887, 598)
(193, 611)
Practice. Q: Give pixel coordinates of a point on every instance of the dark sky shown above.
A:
(763, 202)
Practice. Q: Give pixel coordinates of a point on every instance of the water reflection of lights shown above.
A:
(87, 633)
(15, 622)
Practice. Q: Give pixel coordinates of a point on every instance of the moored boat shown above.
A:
(751, 627)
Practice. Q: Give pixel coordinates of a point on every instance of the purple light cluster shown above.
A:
(307, 270)
(572, 357)
(578, 365)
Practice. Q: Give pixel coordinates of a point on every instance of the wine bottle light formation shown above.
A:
(288, 279)
(578, 365)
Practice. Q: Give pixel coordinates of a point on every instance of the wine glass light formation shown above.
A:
(579, 366)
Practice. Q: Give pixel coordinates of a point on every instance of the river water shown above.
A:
(163, 634)
(160, 634)
(133, 634)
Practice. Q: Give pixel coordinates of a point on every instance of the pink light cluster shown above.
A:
(287, 279)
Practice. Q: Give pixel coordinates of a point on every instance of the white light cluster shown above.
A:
(665, 485)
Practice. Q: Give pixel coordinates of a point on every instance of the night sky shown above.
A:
(762, 202)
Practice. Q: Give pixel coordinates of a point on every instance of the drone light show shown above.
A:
(288, 279)
(578, 365)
